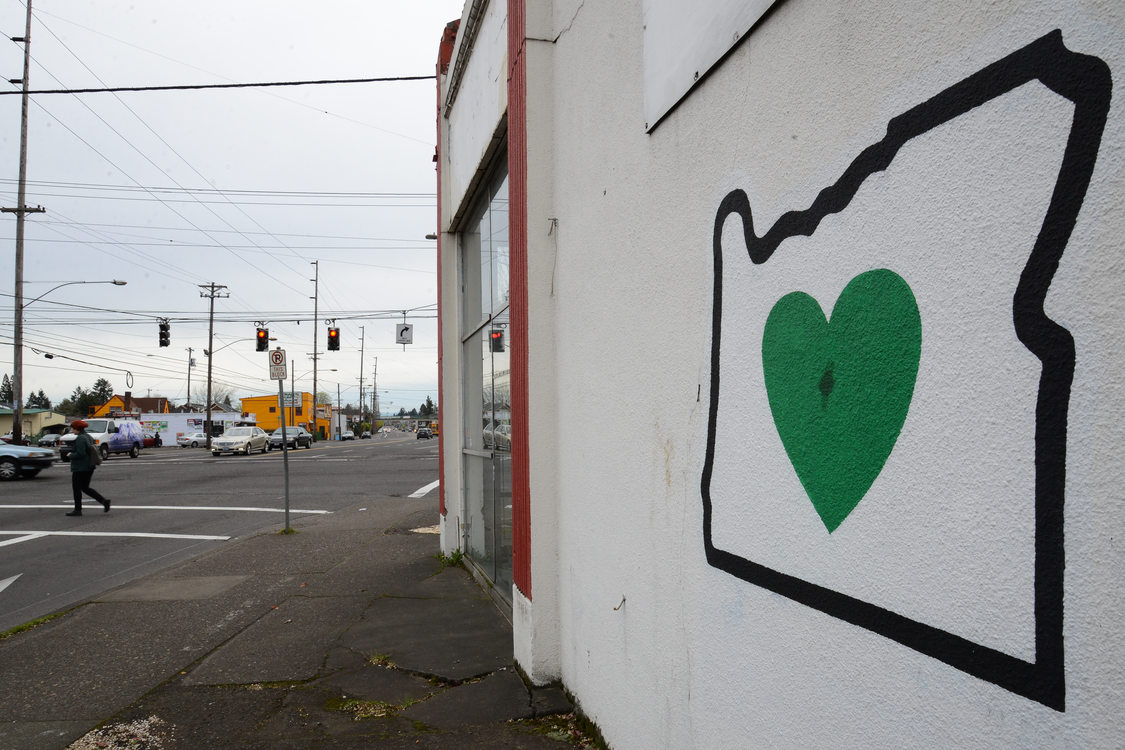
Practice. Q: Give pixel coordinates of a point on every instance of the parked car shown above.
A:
(21, 460)
(110, 436)
(243, 440)
(347, 435)
(7, 438)
(191, 440)
(502, 438)
(366, 435)
(295, 437)
(424, 432)
(49, 440)
(151, 440)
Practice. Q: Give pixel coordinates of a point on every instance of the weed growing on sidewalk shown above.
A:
(360, 709)
(451, 561)
(570, 728)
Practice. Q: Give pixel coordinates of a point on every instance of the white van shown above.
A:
(110, 436)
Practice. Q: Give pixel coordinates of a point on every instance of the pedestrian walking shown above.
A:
(84, 457)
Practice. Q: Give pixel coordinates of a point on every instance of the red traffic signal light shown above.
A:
(165, 333)
(263, 340)
(333, 339)
(497, 339)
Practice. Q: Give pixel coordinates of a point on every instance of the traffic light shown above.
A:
(497, 339)
(263, 340)
(165, 333)
(333, 339)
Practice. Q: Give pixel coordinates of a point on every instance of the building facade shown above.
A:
(848, 274)
(34, 421)
(297, 411)
(118, 405)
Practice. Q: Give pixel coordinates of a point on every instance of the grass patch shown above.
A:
(572, 729)
(29, 625)
(368, 709)
(288, 531)
(381, 660)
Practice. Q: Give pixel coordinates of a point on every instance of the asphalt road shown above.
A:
(172, 504)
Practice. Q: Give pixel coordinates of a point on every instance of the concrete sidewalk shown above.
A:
(349, 633)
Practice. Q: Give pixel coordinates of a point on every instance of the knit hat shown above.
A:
(79, 424)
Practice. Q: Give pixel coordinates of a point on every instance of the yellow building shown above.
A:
(298, 411)
(127, 404)
(34, 421)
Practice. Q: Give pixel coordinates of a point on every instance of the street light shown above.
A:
(208, 352)
(17, 351)
(115, 282)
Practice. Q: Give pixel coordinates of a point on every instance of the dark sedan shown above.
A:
(295, 437)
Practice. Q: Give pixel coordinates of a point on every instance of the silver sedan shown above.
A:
(243, 440)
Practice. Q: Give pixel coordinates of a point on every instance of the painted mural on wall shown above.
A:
(889, 391)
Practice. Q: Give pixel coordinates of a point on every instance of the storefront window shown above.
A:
(487, 441)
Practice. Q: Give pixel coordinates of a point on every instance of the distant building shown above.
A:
(129, 404)
(34, 421)
(298, 411)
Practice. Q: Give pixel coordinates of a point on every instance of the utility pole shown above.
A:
(20, 210)
(339, 430)
(212, 292)
(316, 323)
(374, 395)
(189, 350)
(362, 404)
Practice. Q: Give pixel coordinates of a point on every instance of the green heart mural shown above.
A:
(840, 390)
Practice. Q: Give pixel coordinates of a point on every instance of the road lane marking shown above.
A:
(172, 507)
(423, 490)
(28, 538)
(9, 581)
(137, 534)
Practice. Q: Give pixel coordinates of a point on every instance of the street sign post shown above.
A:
(277, 372)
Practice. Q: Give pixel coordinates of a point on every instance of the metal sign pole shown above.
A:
(279, 360)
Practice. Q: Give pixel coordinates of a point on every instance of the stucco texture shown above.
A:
(663, 648)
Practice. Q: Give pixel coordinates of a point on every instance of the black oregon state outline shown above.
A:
(1085, 81)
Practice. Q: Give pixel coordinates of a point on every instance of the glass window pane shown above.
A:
(470, 275)
(485, 298)
(476, 381)
(498, 244)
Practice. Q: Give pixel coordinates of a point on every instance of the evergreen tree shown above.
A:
(102, 391)
(6, 391)
(38, 400)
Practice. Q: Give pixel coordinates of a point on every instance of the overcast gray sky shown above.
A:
(240, 187)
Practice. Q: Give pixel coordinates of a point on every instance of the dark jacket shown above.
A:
(81, 452)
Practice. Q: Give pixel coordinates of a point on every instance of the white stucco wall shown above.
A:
(697, 657)
(663, 649)
(480, 104)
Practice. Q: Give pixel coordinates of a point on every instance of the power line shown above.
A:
(181, 189)
(201, 86)
(429, 243)
(294, 102)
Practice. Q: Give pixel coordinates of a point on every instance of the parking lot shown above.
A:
(170, 504)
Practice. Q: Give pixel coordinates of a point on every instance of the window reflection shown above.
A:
(488, 417)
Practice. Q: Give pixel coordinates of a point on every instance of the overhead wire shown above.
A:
(142, 154)
(267, 92)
